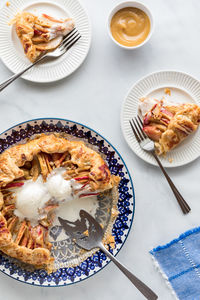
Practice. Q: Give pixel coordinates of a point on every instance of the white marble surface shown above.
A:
(93, 96)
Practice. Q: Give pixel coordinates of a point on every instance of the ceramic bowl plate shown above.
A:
(184, 88)
(134, 4)
(66, 254)
(11, 51)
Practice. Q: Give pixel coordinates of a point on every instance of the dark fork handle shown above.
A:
(183, 204)
(143, 288)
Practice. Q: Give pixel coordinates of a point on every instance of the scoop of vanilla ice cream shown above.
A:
(60, 29)
(59, 188)
(31, 197)
(146, 104)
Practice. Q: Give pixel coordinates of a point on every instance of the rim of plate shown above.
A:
(60, 68)
(146, 85)
(107, 261)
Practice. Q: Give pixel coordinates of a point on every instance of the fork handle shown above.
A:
(145, 290)
(183, 204)
(4, 84)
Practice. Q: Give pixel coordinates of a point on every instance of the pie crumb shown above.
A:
(7, 3)
(114, 212)
(168, 91)
(112, 245)
(170, 160)
(109, 240)
(86, 233)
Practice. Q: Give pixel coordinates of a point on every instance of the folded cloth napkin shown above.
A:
(179, 263)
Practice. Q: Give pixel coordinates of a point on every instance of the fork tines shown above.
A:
(148, 145)
(70, 39)
(137, 127)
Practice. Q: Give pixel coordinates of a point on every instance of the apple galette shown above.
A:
(40, 34)
(167, 123)
(35, 178)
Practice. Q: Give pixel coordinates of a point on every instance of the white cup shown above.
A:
(135, 4)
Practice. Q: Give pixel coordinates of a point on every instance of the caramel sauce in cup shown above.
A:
(130, 26)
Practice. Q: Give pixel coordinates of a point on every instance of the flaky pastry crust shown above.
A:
(169, 125)
(81, 155)
(11, 162)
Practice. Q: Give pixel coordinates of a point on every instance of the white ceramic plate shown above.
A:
(11, 51)
(184, 88)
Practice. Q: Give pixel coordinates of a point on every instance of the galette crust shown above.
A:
(15, 157)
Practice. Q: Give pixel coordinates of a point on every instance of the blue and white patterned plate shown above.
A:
(90, 263)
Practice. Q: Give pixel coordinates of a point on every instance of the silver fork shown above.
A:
(94, 240)
(68, 41)
(148, 145)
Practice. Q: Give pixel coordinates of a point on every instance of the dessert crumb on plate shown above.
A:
(167, 91)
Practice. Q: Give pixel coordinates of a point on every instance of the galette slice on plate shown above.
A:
(168, 123)
(40, 34)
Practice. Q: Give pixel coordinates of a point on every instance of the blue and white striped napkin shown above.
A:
(179, 263)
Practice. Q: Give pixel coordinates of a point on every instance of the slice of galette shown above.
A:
(168, 123)
(40, 34)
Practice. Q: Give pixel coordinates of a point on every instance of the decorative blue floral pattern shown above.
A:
(126, 203)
